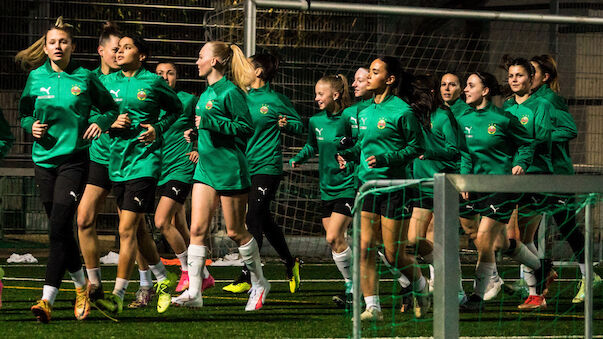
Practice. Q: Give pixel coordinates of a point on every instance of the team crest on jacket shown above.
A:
(492, 129)
(264, 109)
(76, 90)
(141, 95)
(209, 105)
(524, 120)
(381, 123)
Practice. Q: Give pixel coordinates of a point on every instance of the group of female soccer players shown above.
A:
(123, 127)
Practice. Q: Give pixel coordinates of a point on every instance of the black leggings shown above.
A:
(60, 191)
(566, 224)
(260, 221)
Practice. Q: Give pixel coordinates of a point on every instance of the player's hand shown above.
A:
(282, 121)
(371, 161)
(122, 121)
(38, 129)
(193, 156)
(518, 170)
(197, 121)
(465, 195)
(422, 157)
(93, 132)
(148, 136)
(293, 164)
(187, 135)
(341, 161)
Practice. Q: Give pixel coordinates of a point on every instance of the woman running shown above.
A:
(98, 183)
(337, 186)
(389, 138)
(546, 86)
(271, 113)
(533, 113)
(363, 97)
(56, 108)
(493, 138)
(222, 175)
(134, 163)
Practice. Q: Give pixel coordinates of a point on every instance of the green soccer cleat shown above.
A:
(579, 298)
(241, 285)
(293, 277)
(112, 304)
(163, 290)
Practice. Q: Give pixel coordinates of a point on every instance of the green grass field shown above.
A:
(307, 313)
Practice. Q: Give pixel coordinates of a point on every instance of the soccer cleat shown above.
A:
(164, 290)
(494, 287)
(82, 303)
(343, 300)
(95, 292)
(257, 296)
(579, 298)
(183, 282)
(533, 302)
(184, 300)
(421, 302)
(407, 299)
(293, 276)
(112, 304)
(42, 311)
(207, 283)
(143, 297)
(473, 304)
(241, 285)
(371, 314)
(518, 288)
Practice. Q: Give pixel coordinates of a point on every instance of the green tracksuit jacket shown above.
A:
(99, 149)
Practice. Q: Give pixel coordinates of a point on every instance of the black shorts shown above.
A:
(136, 195)
(175, 190)
(394, 205)
(497, 206)
(98, 175)
(422, 199)
(226, 193)
(536, 201)
(342, 206)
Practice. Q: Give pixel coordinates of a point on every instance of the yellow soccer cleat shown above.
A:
(579, 298)
(241, 285)
(42, 311)
(82, 303)
(112, 304)
(293, 277)
(163, 290)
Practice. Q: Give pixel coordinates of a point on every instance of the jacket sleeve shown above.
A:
(449, 150)
(542, 124)
(519, 136)
(466, 161)
(27, 106)
(564, 126)
(310, 148)
(410, 129)
(294, 123)
(105, 110)
(240, 123)
(170, 103)
(6, 136)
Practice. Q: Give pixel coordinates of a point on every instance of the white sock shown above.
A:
(343, 261)
(78, 277)
(431, 272)
(50, 293)
(523, 254)
(183, 257)
(146, 279)
(530, 278)
(419, 284)
(121, 285)
(94, 275)
(205, 272)
(483, 272)
(402, 279)
(196, 263)
(251, 257)
(582, 269)
(521, 271)
(532, 247)
(159, 271)
(372, 302)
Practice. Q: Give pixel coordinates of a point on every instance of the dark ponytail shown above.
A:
(269, 64)
(548, 65)
(489, 81)
(109, 29)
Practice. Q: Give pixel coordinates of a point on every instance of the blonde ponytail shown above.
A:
(33, 56)
(339, 84)
(230, 55)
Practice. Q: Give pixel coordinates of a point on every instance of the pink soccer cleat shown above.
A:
(208, 282)
(183, 283)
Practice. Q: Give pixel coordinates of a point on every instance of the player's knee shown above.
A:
(162, 222)
(85, 221)
(235, 235)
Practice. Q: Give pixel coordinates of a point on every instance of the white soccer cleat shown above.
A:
(257, 296)
(371, 314)
(494, 287)
(184, 300)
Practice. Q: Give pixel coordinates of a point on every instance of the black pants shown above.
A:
(260, 221)
(565, 218)
(60, 191)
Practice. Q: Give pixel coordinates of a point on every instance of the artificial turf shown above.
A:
(307, 313)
